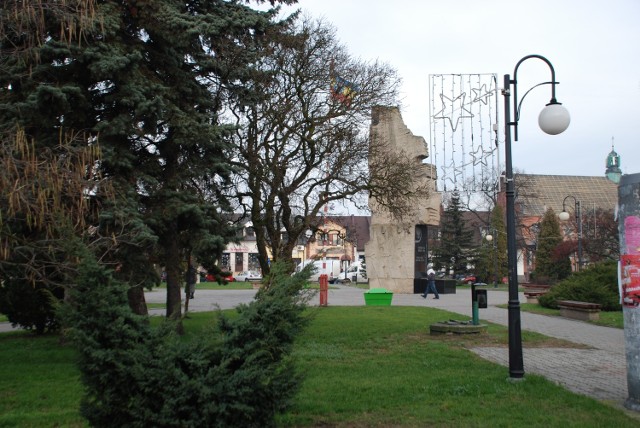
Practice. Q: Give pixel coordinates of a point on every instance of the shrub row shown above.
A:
(596, 284)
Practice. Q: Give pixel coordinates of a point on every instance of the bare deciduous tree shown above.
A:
(303, 144)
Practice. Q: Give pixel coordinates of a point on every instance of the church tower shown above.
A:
(613, 171)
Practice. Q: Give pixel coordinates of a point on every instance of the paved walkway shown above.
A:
(599, 371)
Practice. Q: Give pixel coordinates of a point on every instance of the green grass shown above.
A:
(156, 305)
(364, 367)
(500, 287)
(384, 369)
(361, 285)
(235, 285)
(607, 319)
(3, 318)
(39, 382)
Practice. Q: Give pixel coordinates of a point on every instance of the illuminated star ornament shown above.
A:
(481, 94)
(463, 137)
(453, 108)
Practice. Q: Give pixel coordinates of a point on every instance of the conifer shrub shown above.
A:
(238, 373)
(596, 284)
(32, 307)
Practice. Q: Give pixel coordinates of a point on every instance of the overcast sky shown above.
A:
(594, 46)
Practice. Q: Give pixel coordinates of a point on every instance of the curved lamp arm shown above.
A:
(564, 215)
(554, 118)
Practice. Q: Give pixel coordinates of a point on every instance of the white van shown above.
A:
(329, 267)
(356, 272)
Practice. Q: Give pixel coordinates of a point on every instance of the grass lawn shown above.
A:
(156, 305)
(500, 287)
(235, 285)
(607, 319)
(364, 366)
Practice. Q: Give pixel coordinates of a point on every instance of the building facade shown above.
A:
(577, 195)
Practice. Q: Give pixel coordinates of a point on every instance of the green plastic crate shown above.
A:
(378, 297)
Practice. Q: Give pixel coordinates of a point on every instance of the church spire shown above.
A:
(613, 171)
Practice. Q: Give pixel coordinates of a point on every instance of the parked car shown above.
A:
(357, 272)
(469, 279)
(248, 275)
(329, 267)
(223, 278)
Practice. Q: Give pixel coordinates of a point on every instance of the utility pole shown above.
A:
(629, 227)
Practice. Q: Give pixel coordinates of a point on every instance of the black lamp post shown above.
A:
(553, 119)
(564, 216)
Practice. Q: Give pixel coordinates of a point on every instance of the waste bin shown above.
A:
(481, 296)
(378, 297)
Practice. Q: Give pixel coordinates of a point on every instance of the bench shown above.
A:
(532, 292)
(583, 311)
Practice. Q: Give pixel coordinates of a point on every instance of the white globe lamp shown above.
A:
(554, 118)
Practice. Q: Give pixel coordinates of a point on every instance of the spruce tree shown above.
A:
(453, 252)
(146, 82)
(492, 258)
(136, 375)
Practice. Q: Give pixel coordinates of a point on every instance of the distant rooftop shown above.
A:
(537, 193)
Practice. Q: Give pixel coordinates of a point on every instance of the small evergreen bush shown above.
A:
(32, 307)
(137, 376)
(597, 284)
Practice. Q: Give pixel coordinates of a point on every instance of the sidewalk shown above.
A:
(598, 371)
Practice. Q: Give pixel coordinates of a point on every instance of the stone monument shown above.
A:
(397, 252)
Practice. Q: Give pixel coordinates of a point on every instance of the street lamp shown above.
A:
(564, 216)
(553, 120)
(307, 234)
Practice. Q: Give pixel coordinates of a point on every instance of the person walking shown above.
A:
(431, 285)
(191, 279)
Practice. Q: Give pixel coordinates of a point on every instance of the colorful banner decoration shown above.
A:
(343, 90)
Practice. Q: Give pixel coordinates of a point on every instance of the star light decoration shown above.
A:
(455, 107)
(463, 122)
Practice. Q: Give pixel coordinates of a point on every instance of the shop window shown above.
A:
(254, 264)
(225, 262)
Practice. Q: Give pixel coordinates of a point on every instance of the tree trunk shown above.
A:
(174, 279)
(137, 302)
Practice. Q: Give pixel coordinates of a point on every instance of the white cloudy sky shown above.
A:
(594, 46)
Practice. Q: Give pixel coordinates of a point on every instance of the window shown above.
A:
(225, 262)
(254, 264)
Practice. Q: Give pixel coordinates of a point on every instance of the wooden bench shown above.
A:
(583, 311)
(532, 292)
